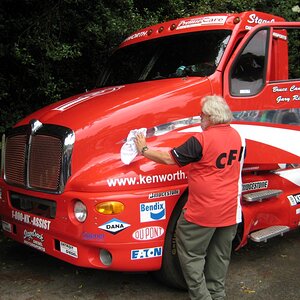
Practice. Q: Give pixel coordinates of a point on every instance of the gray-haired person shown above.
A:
(208, 222)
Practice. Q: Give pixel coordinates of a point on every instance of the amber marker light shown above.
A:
(236, 20)
(173, 26)
(161, 29)
(110, 207)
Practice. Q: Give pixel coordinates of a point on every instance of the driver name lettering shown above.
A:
(296, 98)
(288, 99)
(293, 88)
(283, 99)
(277, 89)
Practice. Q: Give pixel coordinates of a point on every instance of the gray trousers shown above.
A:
(204, 254)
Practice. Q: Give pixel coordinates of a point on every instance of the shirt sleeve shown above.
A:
(188, 152)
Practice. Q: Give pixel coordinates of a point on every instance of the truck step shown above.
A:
(267, 233)
(259, 196)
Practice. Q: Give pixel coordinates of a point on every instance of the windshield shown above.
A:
(193, 54)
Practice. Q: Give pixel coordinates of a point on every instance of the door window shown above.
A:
(248, 73)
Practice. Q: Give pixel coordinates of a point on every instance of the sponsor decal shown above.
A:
(148, 233)
(30, 235)
(114, 226)
(34, 221)
(68, 249)
(164, 194)
(294, 199)
(146, 253)
(92, 236)
(152, 211)
(254, 19)
(136, 35)
(149, 179)
(6, 226)
(280, 36)
(203, 21)
(297, 211)
(34, 239)
(255, 185)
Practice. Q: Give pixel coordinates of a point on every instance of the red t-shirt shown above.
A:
(216, 156)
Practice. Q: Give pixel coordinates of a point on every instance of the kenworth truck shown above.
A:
(65, 191)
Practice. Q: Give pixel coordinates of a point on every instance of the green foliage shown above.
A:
(55, 48)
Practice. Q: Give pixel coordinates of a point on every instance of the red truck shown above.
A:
(65, 191)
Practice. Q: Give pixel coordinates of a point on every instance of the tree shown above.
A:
(51, 49)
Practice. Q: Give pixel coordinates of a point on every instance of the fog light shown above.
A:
(110, 207)
(80, 211)
(105, 257)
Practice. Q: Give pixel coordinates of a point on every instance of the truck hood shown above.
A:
(102, 119)
(112, 106)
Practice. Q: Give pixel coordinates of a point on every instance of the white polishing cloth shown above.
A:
(128, 150)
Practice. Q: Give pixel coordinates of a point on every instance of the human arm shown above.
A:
(162, 157)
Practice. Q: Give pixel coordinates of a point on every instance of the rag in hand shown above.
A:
(128, 150)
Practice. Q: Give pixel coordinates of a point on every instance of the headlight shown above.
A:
(80, 211)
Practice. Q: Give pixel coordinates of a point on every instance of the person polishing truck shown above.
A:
(72, 185)
(208, 222)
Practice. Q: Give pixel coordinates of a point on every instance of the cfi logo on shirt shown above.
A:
(227, 158)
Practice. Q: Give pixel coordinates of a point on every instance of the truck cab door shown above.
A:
(262, 87)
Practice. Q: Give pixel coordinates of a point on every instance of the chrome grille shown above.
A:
(15, 159)
(45, 162)
(39, 158)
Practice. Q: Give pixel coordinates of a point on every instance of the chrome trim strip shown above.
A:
(66, 159)
(35, 125)
(285, 116)
(2, 154)
(167, 127)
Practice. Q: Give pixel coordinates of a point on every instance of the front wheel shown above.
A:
(170, 272)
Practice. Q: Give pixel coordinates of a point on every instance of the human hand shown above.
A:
(140, 142)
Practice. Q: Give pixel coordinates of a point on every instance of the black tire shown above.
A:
(170, 272)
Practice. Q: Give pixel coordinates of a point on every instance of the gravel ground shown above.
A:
(268, 271)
